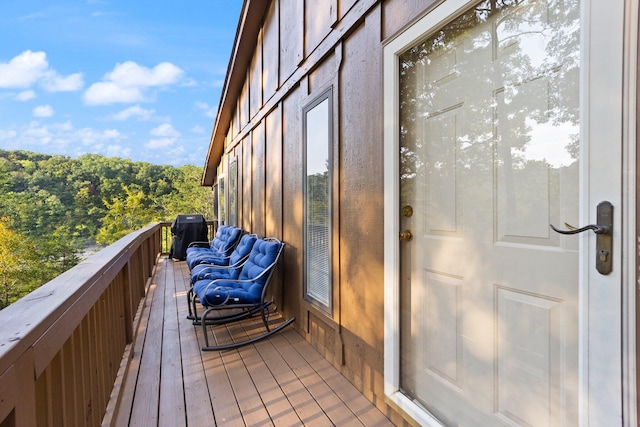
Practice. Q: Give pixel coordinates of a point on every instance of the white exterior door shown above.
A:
(502, 118)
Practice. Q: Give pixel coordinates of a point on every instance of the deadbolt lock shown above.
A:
(407, 211)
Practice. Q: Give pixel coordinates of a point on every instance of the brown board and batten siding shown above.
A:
(287, 53)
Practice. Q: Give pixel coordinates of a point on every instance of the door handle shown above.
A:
(604, 236)
(598, 229)
(406, 236)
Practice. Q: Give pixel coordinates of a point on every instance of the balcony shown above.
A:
(107, 343)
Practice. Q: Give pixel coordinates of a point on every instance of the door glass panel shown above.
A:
(489, 148)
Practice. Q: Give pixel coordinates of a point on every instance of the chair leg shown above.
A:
(231, 346)
(194, 310)
(265, 319)
(189, 298)
(263, 313)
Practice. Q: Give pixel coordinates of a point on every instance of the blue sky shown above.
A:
(135, 79)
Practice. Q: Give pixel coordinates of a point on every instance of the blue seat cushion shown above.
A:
(222, 229)
(219, 292)
(212, 272)
(207, 258)
(221, 247)
(203, 269)
(243, 249)
(263, 254)
(247, 289)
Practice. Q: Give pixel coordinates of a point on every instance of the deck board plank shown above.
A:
(336, 410)
(223, 401)
(123, 412)
(302, 401)
(172, 401)
(223, 398)
(146, 400)
(249, 401)
(196, 391)
(280, 381)
(273, 398)
(357, 403)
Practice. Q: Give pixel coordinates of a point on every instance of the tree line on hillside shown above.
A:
(52, 207)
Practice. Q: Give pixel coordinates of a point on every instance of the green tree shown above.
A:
(188, 195)
(17, 258)
(124, 215)
(58, 205)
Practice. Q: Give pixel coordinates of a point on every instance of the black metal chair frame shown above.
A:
(215, 253)
(192, 299)
(240, 312)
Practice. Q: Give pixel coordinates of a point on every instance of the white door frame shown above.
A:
(607, 392)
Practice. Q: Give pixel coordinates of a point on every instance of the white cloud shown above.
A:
(56, 83)
(167, 137)
(206, 109)
(7, 134)
(172, 156)
(135, 111)
(63, 138)
(25, 95)
(165, 130)
(90, 136)
(36, 133)
(132, 74)
(43, 111)
(62, 127)
(117, 151)
(29, 68)
(197, 129)
(127, 81)
(160, 143)
(109, 93)
(58, 136)
(24, 70)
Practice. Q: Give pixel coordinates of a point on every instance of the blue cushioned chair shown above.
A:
(218, 251)
(229, 300)
(237, 259)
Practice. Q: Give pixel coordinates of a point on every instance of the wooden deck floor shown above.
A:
(280, 381)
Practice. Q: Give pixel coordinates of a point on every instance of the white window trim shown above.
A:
(328, 96)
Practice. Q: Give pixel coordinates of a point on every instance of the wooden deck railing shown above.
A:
(62, 345)
(166, 237)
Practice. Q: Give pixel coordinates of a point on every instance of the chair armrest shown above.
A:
(199, 244)
(223, 283)
(208, 266)
(220, 289)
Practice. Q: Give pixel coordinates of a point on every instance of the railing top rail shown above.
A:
(56, 307)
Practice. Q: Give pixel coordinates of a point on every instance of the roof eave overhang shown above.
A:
(249, 25)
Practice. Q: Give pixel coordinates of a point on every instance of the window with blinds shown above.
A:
(219, 200)
(233, 191)
(317, 200)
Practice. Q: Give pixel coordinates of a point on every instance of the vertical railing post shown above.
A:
(59, 363)
(128, 300)
(25, 409)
